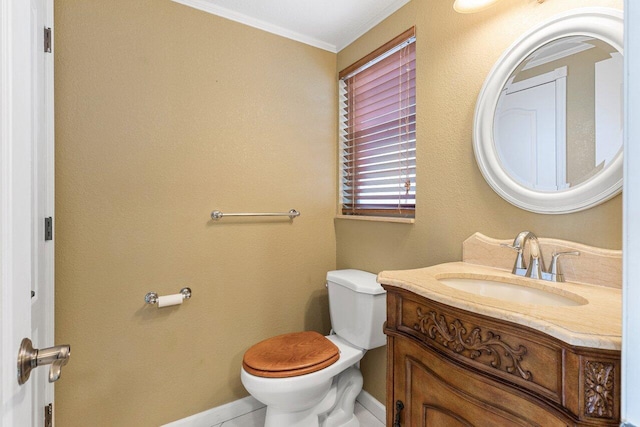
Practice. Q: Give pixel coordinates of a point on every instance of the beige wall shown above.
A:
(164, 113)
(454, 54)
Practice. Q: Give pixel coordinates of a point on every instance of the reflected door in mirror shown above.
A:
(558, 121)
(529, 131)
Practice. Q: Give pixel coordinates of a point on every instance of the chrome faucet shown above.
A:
(536, 268)
(519, 266)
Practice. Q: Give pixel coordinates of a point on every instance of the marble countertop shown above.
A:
(597, 323)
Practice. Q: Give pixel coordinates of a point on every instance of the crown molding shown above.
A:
(349, 36)
(366, 27)
(206, 6)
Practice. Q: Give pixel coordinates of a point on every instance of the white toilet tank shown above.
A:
(357, 304)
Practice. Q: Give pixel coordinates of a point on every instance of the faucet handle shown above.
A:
(514, 247)
(519, 266)
(555, 270)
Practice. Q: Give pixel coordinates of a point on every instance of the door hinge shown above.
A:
(48, 228)
(47, 39)
(48, 415)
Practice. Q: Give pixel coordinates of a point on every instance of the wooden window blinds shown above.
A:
(378, 131)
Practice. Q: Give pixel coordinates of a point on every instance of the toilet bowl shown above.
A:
(296, 401)
(298, 375)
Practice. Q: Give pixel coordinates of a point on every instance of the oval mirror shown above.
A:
(548, 123)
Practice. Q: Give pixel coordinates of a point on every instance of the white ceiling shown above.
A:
(327, 24)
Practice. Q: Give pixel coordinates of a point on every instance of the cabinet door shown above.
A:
(438, 393)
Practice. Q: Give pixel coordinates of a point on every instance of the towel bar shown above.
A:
(291, 214)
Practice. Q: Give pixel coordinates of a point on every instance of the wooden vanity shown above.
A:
(450, 367)
(455, 360)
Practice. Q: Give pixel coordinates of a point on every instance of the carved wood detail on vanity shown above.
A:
(453, 336)
(599, 389)
(531, 361)
(466, 366)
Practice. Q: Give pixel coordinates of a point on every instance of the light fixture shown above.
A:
(470, 6)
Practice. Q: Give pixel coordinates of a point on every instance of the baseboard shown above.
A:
(220, 414)
(372, 405)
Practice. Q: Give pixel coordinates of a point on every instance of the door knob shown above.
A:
(29, 358)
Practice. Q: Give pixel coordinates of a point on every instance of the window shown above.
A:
(378, 131)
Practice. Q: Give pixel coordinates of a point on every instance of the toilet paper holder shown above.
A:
(152, 297)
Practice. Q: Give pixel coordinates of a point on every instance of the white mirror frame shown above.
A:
(601, 23)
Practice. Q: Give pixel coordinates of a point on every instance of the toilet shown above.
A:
(309, 380)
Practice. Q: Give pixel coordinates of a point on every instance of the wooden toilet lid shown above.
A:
(290, 355)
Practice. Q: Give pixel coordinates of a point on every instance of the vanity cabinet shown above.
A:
(451, 367)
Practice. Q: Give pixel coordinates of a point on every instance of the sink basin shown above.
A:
(511, 292)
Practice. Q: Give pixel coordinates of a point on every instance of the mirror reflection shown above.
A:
(558, 120)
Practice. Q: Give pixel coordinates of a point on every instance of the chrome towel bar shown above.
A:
(291, 214)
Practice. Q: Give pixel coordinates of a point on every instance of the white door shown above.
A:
(26, 199)
(530, 131)
(631, 219)
(525, 137)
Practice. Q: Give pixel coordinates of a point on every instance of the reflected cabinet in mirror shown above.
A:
(549, 118)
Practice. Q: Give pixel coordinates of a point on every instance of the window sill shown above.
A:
(377, 219)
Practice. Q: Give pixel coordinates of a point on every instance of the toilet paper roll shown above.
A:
(168, 300)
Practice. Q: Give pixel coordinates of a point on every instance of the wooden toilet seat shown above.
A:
(290, 355)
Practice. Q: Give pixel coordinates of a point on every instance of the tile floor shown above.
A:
(256, 419)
